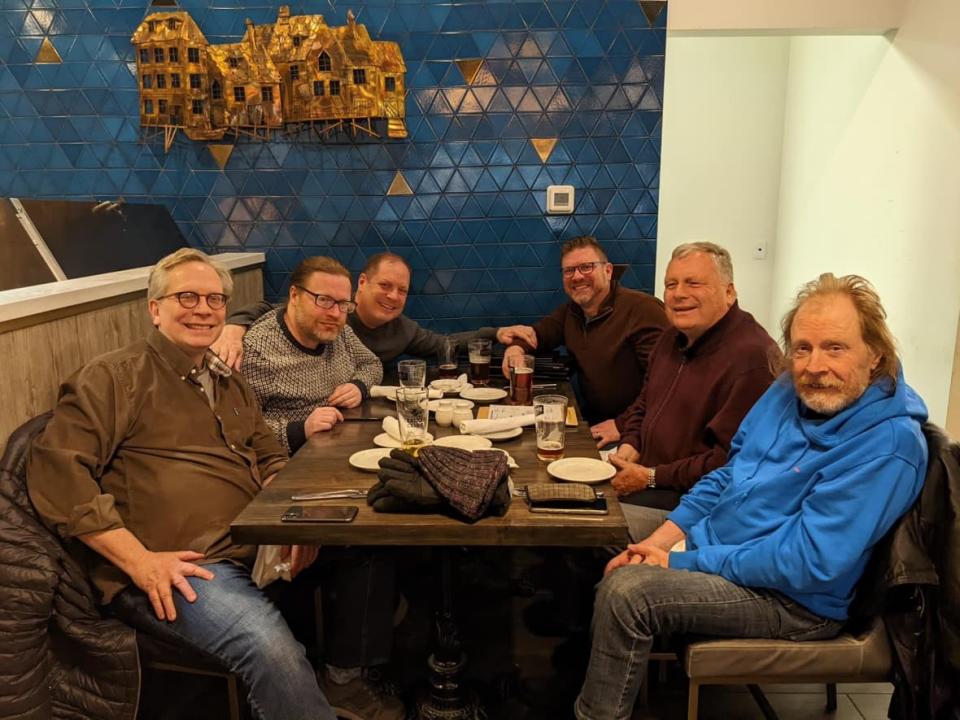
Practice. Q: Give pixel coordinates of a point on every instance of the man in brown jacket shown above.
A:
(608, 330)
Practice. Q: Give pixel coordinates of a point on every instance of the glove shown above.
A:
(401, 487)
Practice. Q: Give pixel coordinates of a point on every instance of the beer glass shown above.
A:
(413, 417)
(412, 373)
(521, 379)
(447, 359)
(550, 419)
(479, 351)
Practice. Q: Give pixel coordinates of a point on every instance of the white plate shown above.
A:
(464, 442)
(483, 394)
(433, 405)
(384, 440)
(580, 469)
(503, 434)
(510, 461)
(449, 385)
(368, 460)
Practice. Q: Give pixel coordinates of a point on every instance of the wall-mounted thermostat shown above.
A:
(560, 199)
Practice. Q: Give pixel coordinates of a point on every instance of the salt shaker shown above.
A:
(444, 413)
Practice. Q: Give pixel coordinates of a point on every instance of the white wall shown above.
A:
(720, 158)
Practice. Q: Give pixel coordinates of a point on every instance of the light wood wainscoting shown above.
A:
(41, 351)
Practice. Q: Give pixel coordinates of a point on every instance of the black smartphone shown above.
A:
(570, 507)
(320, 514)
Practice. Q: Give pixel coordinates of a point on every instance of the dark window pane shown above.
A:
(323, 62)
(294, 72)
(158, 55)
(390, 84)
(161, 81)
(359, 76)
(193, 55)
(334, 87)
(144, 55)
(198, 107)
(173, 54)
(267, 94)
(318, 87)
(239, 94)
(194, 81)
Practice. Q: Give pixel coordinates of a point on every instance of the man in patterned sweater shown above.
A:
(302, 361)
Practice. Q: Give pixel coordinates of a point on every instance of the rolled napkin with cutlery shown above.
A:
(390, 391)
(392, 428)
(483, 427)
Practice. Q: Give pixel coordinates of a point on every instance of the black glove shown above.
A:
(401, 486)
(501, 499)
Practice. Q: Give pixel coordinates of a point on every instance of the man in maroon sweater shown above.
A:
(705, 373)
(608, 330)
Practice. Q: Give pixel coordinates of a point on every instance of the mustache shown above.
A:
(818, 384)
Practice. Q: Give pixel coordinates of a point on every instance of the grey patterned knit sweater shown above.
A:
(291, 380)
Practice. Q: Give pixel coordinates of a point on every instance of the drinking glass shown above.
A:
(447, 359)
(412, 373)
(479, 351)
(521, 379)
(413, 416)
(550, 419)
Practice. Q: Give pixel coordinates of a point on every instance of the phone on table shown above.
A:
(567, 499)
(320, 514)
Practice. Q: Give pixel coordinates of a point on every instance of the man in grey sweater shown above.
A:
(378, 322)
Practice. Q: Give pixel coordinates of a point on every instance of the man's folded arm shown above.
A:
(249, 314)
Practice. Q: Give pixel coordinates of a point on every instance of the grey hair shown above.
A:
(721, 256)
(157, 284)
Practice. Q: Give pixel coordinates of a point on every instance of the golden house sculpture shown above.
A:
(298, 73)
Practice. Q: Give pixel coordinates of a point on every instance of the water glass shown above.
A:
(550, 419)
(521, 379)
(413, 416)
(412, 373)
(480, 351)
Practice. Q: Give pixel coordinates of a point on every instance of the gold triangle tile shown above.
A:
(221, 154)
(544, 146)
(48, 53)
(469, 69)
(399, 186)
(652, 9)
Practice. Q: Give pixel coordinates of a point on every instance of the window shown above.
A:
(266, 94)
(144, 55)
(161, 81)
(294, 72)
(216, 92)
(390, 84)
(158, 55)
(162, 107)
(147, 82)
(318, 87)
(195, 81)
(323, 62)
(172, 24)
(334, 87)
(297, 39)
(193, 55)
(175, 116)
(148, 107)
(175, 80)
(198, 107)
(233, 61)
(173, 54)
(239, 94)
(152, 26)
(359, 76)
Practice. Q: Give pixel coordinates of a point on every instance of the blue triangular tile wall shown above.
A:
(588, 72)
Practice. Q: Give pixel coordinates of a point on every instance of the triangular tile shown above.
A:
(469, 68)
(544, 147)
(48, 53)
(221, 154)
(652, 9)
(399, 186)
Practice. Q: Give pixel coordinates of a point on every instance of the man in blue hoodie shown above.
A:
(775, 541)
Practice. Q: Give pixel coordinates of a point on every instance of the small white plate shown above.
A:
(483, 394)
(433, 405)
(504, 434)
(581, 469)
(368, 460)
(464, 442)
(384, 440)
(449, 385)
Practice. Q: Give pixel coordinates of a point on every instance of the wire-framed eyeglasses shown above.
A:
(326, 302)
(189, 299)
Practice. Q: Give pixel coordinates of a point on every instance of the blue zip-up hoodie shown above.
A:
(802, 501)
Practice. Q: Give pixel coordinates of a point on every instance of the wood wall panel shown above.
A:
(38, 357)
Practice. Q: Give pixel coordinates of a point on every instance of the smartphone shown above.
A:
(596, 507)
(320, 514)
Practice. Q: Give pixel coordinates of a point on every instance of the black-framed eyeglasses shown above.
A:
(326, 302)
(584, 268)
(189, 299)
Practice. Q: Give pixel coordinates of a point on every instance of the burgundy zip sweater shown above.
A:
(695, 397)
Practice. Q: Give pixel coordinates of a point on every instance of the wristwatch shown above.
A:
(651, 478)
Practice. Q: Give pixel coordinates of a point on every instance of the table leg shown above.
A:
(447, 698)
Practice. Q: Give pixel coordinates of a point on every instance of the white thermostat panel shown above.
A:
(560, 199)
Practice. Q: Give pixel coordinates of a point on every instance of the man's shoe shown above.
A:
(361, 699)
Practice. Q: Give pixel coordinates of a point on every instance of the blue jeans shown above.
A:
(234, 622)
(637, 602)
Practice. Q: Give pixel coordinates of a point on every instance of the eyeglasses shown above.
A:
(326, 302)
(584, 268)
(189, 299)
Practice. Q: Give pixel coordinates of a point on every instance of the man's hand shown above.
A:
(300, 556)
(516, 333)
(229, 346)
(642, 553)
(321, 420)
(627, 452)
(512, 351)
(347, 395)
(157, 573)
(605, 433)
(630, 476)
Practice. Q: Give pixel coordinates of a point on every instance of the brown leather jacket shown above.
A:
(59, 658)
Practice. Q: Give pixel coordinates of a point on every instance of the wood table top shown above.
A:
(321, 464)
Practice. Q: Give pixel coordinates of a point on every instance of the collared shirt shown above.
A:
(134, 443)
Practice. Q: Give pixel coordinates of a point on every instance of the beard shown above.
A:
(822, 397)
